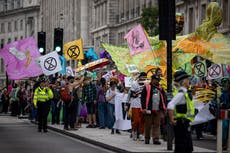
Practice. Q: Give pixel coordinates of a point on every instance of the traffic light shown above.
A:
(42, 43)
(58, 40)
(167, 17)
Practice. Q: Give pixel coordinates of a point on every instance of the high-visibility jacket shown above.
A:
(42, 95)
(188, 109)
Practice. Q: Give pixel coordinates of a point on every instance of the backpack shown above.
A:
(65, 96)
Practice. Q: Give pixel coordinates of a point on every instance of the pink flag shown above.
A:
(19, 58)
(137, 40)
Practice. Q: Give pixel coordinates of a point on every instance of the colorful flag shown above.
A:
(137, 40)
(19, 58)
(50, 63)
(200, 68)
(74, 50)
(69, 71)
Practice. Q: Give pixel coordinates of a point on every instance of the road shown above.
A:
(18, 136)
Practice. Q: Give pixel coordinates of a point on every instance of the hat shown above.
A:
(180, 75)
(155, 76)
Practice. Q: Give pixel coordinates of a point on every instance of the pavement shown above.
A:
(118, 142)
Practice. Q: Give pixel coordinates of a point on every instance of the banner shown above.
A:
(215, 71)
(132, 68)
(63, 65)
(137, 40)
(74, 50)
(122, 122)
(50, 63)
(200, 68)
(69, 71)
(19, 58)
(128, 82)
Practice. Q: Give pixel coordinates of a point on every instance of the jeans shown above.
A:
(56, 107)
(70, 114)
(101, 113)
(110, 115)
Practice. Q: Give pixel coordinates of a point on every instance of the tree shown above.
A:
(149, 20)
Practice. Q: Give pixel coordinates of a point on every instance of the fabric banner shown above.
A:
(69, 71)
(200, 68)
(19, 58)
(128, 82)
(215, 71)
(50, 63)
(203, 115)
(63, 65)
(74, 50)
(122, 122)
(137, 40)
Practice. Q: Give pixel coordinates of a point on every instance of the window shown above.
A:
(2, 43)
(9, 41)
(21, 37)
(191, 20)
(9, 27)
(21, 24)
(225, 14)
(203, 12)
(2, 28)
(16, 38)
(121, 38)
(15, 26)
(2, 66)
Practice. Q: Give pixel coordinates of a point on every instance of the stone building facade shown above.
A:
(18, 19)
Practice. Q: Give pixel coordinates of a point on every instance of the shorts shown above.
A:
(90, 108)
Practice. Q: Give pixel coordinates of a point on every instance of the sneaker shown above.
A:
(66, 128)
(118, 132)
(141, 137)
(89, 126)
(73, 129)
(112, 132)
(146, 141)
(157, 142)
(45, 130)
(101, 127)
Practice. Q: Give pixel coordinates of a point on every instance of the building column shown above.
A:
(84, 22)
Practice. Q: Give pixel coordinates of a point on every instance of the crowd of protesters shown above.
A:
(76, 100)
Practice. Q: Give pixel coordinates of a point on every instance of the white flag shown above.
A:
(69, 71)
(50, 63)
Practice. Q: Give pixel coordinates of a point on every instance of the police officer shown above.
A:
(181, 113)
(42, 96)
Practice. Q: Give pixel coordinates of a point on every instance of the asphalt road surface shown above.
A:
(17, 136)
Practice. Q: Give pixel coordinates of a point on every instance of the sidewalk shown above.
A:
(118, 143)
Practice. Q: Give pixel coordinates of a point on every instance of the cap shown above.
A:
(180, 75)
(142, 74)
(155, 76)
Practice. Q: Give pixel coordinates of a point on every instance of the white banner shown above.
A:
(215, 71)
(69, 71)
(132, 68)
(50, 63)
(128, 81)
(121, 123)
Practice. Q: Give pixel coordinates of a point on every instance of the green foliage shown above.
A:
(149, 20)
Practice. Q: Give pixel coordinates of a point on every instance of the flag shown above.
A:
(137, 40)
(63, 65)
(215, 71)
(132, 68)
(74, 50)
(19, 58)
(200, 68)
(50, 63)
(69, 71)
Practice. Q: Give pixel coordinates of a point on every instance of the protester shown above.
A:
(56, 102)
(184, 108)
(14, 100)
(153, 105)
(135, 101)
(42, 95)
(101, 92)
(110, 98)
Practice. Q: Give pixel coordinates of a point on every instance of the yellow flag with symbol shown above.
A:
(74, 50)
